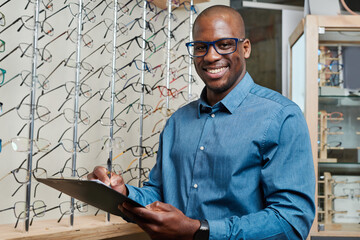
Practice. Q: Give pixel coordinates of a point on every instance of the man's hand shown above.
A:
(162, 221)
(115, 181)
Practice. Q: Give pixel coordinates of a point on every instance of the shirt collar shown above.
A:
(231, 101)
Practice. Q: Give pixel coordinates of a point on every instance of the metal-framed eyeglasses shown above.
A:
(222, 46)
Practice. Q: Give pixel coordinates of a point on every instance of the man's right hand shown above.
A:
(115, 181)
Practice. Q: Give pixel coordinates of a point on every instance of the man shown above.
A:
(235, 164)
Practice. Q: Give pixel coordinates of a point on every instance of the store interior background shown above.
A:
(269, 24)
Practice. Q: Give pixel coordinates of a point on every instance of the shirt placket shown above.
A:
(199, 172)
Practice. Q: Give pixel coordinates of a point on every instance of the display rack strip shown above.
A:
(76, 103)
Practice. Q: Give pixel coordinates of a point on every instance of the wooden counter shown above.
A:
(85, 227)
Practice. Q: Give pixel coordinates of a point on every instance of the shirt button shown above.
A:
(195, 185)
(202, 148)
(212, 115)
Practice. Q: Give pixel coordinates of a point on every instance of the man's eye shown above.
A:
(200, 47)
(225, 45)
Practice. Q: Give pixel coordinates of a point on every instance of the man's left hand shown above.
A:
(162, 221)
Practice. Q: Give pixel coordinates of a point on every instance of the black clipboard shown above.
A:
(93, 192)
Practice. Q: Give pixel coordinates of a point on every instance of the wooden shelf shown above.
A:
(339, 230)
(307, 37)
(85, 227)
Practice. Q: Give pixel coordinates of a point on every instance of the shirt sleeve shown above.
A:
(152, 189)
(287, 181)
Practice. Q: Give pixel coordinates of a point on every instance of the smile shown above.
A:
(216, 70)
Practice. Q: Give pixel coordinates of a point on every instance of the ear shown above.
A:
(246, 47)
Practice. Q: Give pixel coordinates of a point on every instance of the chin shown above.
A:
(218, 89)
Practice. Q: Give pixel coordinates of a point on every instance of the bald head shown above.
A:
(224, 12)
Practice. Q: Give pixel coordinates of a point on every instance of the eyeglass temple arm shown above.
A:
(15, 21)
(9, 53)
(47, 153)
(79, 139)
(126, 108)
(98, 92)
(63, 168)
(38, 131)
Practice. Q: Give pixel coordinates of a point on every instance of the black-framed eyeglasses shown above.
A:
(108, 71)
(140, 65)
(164, 30)
(120, 27)
(179, 25)
(21, 175)
(48, 5)
(149, 45)
(120, 7)
(148, 25)
(180, 42)
(26, 77)
(22, 108)
(134, 172)
(71, 62)
(173, 17)
(68, 172)
(137, 151)
(26, 48)
(106, 95)
(38, 207)
(186, 77)
(65, 209)
(72, 35)
(149, 5)
(28, 23)
(88, 15)
(222, 46)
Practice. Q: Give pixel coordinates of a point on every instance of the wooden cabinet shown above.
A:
(325, 83)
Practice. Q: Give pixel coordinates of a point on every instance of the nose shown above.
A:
(212, 55)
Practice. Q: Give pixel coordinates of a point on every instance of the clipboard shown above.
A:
(93, 192)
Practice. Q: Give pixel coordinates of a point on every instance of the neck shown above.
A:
(212, 97)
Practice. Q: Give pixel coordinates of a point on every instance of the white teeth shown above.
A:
(215, 70)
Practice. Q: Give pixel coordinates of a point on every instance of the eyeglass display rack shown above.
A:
(65, 70)
(32, 117)
(323, 82)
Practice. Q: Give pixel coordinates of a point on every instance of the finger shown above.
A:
(141, 214)
(117, 183)
(144, 224)
(116, 179)
(101, 174)
(160, 206)
(129, 214)
(91, 176)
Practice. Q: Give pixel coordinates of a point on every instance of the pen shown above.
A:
(109, 168)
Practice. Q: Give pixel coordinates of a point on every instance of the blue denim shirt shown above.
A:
(244, 164)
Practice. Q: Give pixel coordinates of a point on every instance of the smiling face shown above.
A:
(220, 73)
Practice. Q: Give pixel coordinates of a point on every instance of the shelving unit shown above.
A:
(99, 80)
(320, 48)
